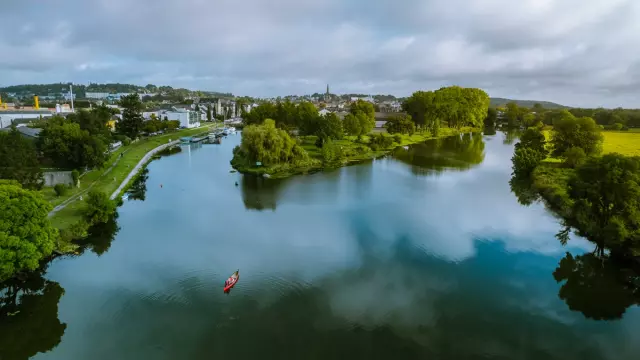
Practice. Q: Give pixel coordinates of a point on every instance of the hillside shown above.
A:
(526, 103)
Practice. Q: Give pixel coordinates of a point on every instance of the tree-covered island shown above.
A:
(285, 139)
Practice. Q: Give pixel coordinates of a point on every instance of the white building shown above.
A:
(187, 118)
(324, 112)
(8, 117)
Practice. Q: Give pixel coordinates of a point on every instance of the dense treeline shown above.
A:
(513, 115)
(455, 106)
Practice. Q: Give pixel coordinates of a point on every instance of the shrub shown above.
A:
(380, 141)
(397, 138)
(574, 157)
(75, 175)
(126, 141)
(60, 189)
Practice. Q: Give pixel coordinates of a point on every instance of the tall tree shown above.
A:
(132, 120)
(99, 208)
(26, 235)
(19, 161)
(569, 132)
(492, 118)
(70, 147)
(606, 202)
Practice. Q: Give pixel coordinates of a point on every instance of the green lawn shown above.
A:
(103, 179)
(623, 142)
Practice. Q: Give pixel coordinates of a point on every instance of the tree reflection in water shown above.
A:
(458, 152)
(29, 321)
(100, 236)
(138, 189)
(259, 193)
(601, 288)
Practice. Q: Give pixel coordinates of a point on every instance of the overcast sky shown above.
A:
(575, 52)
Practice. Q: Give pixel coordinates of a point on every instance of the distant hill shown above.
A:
(495, 102)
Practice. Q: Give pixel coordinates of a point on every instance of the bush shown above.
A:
(75, 175)
(126, 141)
(397, 138)
(574, 157)
(380, 141)
(60, 189)
(332, 154)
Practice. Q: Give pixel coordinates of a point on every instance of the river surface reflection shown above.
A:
(425, 254)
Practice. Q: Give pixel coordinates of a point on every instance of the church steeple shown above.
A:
(326, 95)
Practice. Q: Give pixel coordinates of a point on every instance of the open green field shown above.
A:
(111, 175)
(623, 142)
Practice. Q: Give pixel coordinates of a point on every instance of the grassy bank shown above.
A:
(111, 175)
(354, 150)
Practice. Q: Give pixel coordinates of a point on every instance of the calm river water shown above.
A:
(424, 254)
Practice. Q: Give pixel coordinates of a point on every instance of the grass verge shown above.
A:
(108, 178)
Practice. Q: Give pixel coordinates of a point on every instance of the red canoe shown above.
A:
(231, 281)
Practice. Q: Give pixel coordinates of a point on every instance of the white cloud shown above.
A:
(570, 51)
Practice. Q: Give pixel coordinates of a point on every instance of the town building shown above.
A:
(187, 118)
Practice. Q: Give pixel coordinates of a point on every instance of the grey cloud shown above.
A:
(581, 53)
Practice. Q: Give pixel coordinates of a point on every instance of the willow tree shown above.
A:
(268, 145)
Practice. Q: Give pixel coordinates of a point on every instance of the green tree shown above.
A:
(525, 160)
(69, 147)
(99, 208)
(26, 235)
(574, 157)
(569, 131)
(606, 202)
(132, 120)
(332, 154)
(400, 124)
(351, 124)
(420, 106)
(94, 121)
(514, 114)
(267, 144)
(306, 118)
(19, 160)
(365, 107)
(492, 117)
(534, 139)
(332, 126)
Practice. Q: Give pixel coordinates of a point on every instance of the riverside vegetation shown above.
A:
(28, 235)
(285, 139)
(598, 196)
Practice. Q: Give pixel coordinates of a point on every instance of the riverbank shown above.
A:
(353, 150)
(119, 172)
